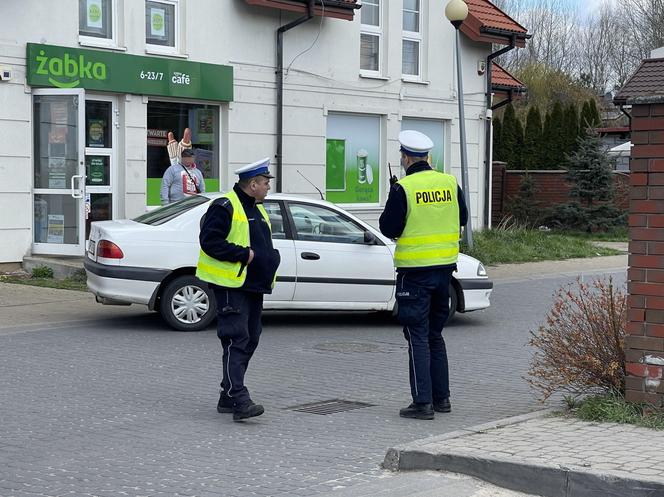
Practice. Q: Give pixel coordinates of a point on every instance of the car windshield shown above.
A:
(171, 211)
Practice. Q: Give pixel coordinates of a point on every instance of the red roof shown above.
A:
(487, 23)
(648, 80)
(502, 80)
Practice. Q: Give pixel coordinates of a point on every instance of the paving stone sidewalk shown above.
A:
(548, 455)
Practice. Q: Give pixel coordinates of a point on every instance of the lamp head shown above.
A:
(456, 12)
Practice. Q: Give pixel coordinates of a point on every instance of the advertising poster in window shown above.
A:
(57, 173)
(353, 159)
(56, 228)
(435, 130)
(202, 126)
(96, 132)
(94, 17)
(157, 22)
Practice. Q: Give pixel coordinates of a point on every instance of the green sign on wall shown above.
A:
(63, 67)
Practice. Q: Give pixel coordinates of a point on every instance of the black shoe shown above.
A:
(442, 406)
(225, 404)
(247, 410)
(417, 411)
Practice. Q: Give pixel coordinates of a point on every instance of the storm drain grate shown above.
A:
(330, 406)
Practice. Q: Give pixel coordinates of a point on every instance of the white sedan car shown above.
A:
(330, 260)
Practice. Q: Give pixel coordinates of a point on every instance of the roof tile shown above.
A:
(648, 80)
(501, 79)
(492, 17)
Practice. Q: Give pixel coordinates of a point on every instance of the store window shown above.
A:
(353, 158)
(161, 25)
(434, 129)
(95, 22)
(370, 37)
(202, 120)
(412, 39)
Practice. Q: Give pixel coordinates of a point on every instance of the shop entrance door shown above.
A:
(101, 124)
(59, 172)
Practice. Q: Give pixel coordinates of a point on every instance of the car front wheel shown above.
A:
(188, 304)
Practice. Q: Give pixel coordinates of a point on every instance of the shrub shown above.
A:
(42, 272)
(580, 347)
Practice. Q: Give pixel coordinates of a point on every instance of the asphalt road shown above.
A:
(119, 405)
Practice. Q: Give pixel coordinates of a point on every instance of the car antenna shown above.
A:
(317, 189)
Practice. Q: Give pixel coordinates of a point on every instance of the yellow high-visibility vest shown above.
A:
(431, 235)
(225, 273)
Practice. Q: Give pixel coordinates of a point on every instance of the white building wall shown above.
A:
(323, 79)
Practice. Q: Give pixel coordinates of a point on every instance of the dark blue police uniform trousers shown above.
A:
(239, 329)
(423, 305)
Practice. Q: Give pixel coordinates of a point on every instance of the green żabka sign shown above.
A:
(63, 67)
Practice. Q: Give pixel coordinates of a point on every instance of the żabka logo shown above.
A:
(69, 67)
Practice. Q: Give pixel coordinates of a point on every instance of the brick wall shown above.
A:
(551, 187)
(644, 346)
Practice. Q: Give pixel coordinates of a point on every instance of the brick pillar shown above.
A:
(497, 192)
(644, 346)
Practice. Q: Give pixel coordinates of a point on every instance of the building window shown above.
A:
(96, 25)
(370, 37)
(436, 131)
(352, 159)
(202, 120)
(161, 25)
(412, 39)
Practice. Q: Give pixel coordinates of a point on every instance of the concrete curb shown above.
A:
(519, 475)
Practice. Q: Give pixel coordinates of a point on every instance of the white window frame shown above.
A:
(95, 41)
(161, 49)
(414, 36)
(369, 29)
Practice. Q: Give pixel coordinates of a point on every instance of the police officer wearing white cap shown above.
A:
(238, 261)
(424, 213)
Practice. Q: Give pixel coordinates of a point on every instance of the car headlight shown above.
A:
(480, 270)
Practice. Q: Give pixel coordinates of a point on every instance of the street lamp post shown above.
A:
(456, 12)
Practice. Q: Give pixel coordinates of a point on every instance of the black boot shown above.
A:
(225, 404)
(417, 411)
(247, 410)
(442, 405)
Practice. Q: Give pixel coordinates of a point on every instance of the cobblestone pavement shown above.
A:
(128, 408)
(568, 442)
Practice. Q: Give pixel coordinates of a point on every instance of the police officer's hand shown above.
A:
(251, 256)
(393, 180)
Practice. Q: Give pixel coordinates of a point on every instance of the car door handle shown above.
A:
(310, 256)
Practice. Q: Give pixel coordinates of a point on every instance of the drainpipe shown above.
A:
(280, 87)
(487, 127)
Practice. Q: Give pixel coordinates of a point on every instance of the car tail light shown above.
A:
(109, 250)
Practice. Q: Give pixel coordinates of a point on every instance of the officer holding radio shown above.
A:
(424, 213)
(239, 262)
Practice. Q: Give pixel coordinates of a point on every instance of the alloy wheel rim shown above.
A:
(189, 304)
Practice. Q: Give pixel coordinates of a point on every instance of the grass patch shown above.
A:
(620, 234)
(614, 409)
(74, 283)
(523, 245)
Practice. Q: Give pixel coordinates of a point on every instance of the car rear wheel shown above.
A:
(187, 304)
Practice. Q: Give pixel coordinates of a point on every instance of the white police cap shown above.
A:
(415, 143)
(258, 168)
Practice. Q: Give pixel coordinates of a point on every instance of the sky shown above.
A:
(584, 7)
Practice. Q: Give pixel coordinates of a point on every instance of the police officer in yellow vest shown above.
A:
(239, 262)
(424, 213)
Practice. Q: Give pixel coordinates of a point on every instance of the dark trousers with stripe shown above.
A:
(239, 329)
(423, 304)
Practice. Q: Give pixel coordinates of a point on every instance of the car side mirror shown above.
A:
(370, 238)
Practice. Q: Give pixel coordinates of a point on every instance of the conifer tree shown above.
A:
(590, 174)
(557, 137)
(532, 140)
(596, 118)
(586, 120)
(571, 129)
(546, 150)
(509, 137)
(498, 152)
(517, 152)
